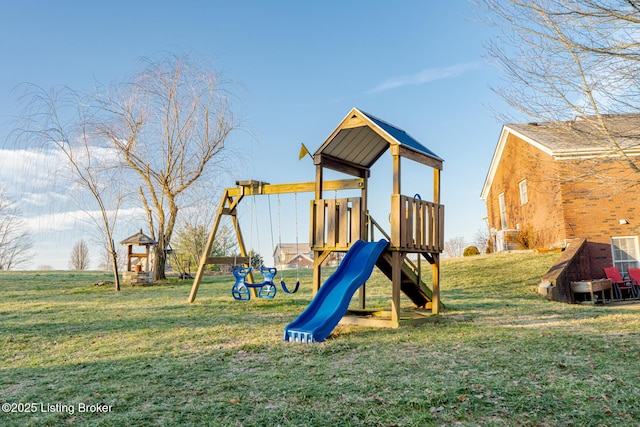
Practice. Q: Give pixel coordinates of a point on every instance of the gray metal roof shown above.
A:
(361, 138)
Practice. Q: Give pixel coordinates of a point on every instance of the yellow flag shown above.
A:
(303, 152)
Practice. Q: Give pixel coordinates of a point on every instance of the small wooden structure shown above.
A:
(417, 225)
(138, 270)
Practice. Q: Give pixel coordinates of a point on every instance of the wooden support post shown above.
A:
(317, 255)
(396, 217)
(396, 174)
(317, 273)
(396, 279)
(435, 284)
(362, 297)
(436, 186)
(364, 235)
(318, 259)
(364, 230)
(318, 186)
(439, 243)
(208, 246)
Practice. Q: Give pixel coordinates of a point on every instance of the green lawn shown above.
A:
(498, 356)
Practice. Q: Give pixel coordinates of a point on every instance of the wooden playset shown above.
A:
(417, 225)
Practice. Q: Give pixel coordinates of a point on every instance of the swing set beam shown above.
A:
(258, 188)
(232, 196)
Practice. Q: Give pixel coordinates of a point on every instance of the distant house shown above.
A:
(292, 255)
(552, 182)
(289, 256)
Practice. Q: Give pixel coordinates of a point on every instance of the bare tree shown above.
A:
(454, 247)
(60, 120)
(169, 125)
(79, 259)
(482, 238)
(566, 59)
(165, 129)
(15, 241)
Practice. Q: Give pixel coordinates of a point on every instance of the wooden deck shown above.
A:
(384, 318)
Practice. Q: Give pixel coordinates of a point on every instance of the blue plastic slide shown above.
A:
(326, 309)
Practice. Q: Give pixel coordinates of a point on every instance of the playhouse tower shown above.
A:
(417, 226)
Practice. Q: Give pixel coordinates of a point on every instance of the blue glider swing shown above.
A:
(266, 289)
(240, 289)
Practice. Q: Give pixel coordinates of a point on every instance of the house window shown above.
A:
(503, 211)
(625, 252)
(524, 198)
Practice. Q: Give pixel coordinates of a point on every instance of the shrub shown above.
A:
(528, 237)
(470, 251)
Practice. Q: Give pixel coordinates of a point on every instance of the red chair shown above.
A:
(634, 275)
(619, 285)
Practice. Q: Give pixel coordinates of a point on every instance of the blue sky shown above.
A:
(298, 68)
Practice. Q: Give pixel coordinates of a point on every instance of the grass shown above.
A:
(498, 356)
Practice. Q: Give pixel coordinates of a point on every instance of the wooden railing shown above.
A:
(416, 225)
(335, 223)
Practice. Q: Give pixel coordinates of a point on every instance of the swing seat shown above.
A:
(240, 289)
(268, 273)
(267, 287)
(286, 290)
(267, 290)
(240, 292)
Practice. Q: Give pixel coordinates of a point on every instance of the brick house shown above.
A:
(292, 255)
(289, 256)
(552, 182)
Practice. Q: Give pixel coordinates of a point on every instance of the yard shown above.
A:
(499, 355)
